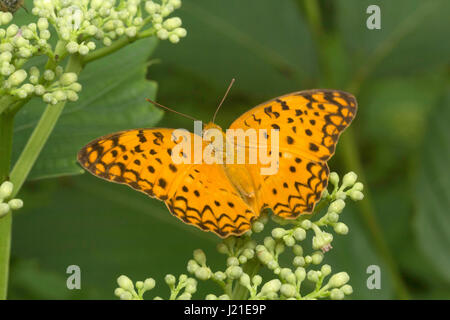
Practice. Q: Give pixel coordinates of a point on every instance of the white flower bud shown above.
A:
(317, 257)
(118, 292)
(341, 195)
(338, 280)
(336, 294)
(308, 259)
(299, 234)
(72, 47)
(12, 30)
(341, 228)
(17, 77)
(326, 270)
(125, 283)
(173, 38)
(269, 243)
(300, 274)
(313, 276)
(131, 32)
(5, 17)
(107, 41)
(224, 297)
(248, 253)
(337, 206)
(288, 290)
(298, 250)
(68, 78)
(264, 256)
(60, 95)
(48, 98)
(334, 178)
(6, 189)
(180, 32)
(257, 227)
(49, 75)
(25, 53)
(175, 3)
(27, 34)
(232, 261)
(200, 257)
(356, 195)
(172, 23)
(170, 279)
(39, 90)
(234, 272)
(4, 209)
(126, 296)
(91, 30)
(83, 50)
(333, 217)
(75, 87)
(358, 186)
(166, 10)
(278, 233)
(349, 179)
(222, 248)
(42, 24)
(306, 224)
(347, 289)
(149, 284)
(271, 286)
(211, 297)
(29, 88)
(91, 45)
(162, 34)
(219, 275)
(322, 240)
(139, 285)
(192, 266)
(288, 240)
(203, 273)
(45, 34)
(299, 261)
(6, 47)
(245, 280)
(138, 21)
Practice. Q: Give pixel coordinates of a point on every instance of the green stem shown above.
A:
(41, 133)
(6, 136)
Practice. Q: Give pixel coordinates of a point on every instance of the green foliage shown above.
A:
(399, 75)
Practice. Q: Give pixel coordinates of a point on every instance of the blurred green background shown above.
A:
(398, 143)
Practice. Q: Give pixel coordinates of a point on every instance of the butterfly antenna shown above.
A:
(223, 99)
(164, 107)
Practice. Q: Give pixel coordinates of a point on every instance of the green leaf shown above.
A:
(112, 99)
(432, 192)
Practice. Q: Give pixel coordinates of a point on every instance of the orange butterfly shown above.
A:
(226, 198)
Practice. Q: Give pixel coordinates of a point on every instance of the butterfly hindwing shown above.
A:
(309, 124)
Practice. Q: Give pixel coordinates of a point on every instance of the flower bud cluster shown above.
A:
(126, 289)
(7, 204)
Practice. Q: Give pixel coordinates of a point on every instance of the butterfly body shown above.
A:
(226, 195)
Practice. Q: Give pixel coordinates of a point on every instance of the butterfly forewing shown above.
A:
(197, 194)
